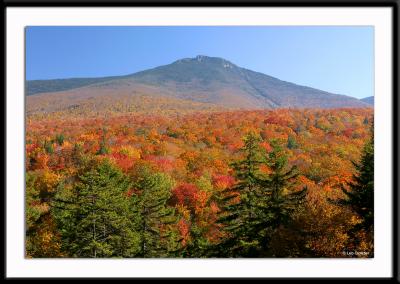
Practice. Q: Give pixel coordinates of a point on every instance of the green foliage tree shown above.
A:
(60, 139)
(199, 247)
(103, 149)
(359, 193)
(48, 146)
(32, 196)
(96, 216)
(291, 143)
(282, 202)
(265, 201)
(32, 215)
(157, 236)
(240, 218)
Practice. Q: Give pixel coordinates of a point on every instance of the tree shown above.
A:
(359, 192)
(95, 215)
(281, 201)
(42, 237)
(265, 200)
(48, 146)
(103, 143)
(155, 227)
(197, 226)
(291, 143)
(60, 139)
(239, 217)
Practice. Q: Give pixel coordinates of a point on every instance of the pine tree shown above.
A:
(265, 201)
(103, 143)
(198, 247)
(157, 237)
(359, 193)
(48, 146)
(95, 215)
(282, 201)
(60, 139)
(291, 143)
(240, 218)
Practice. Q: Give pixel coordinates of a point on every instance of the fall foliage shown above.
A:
(243, 183)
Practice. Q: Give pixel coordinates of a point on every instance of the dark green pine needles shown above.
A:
(96, 216)
(157, 236)
(360, 191)
(265, 201)
(100, 216)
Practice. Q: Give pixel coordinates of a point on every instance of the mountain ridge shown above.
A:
(369, 100)
(205, 79)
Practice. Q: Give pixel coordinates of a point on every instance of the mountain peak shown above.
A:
(205, 58)
(201, 57)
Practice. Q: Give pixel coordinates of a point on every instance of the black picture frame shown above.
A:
(252, 3)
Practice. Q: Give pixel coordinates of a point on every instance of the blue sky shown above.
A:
(333, 59)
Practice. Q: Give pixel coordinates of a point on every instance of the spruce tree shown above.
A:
(60, 139)
(103, 150)
(95, 215)
(156, 218)
(240, 218)
(266, 201)
(359, 193)
(281, 201)
(291, 143)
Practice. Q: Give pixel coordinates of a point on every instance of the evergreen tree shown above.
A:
(240, 218)
(48, 146)
(359, 193)
(103, 144)
(198, 247)
(155, 227)
(282, 202)
(265, 201)
(60, 139)
(291, 143)
(95, 215)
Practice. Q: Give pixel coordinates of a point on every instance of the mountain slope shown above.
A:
(46, 86)
(209, 80)
(67, 105)
(368, 100)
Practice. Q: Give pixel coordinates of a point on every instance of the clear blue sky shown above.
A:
(333, 59)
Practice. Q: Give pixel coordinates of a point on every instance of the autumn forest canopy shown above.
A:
(154, 181)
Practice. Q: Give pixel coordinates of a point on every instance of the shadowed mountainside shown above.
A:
(368, 100)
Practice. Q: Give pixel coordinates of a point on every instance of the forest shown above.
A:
(203, 184)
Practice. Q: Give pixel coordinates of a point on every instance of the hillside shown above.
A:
(368, 100)
(83, 105)
(202, 79)
(46, 86)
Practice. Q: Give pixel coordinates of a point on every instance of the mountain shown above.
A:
(210, 80)
(368, 100)
(45, 86)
